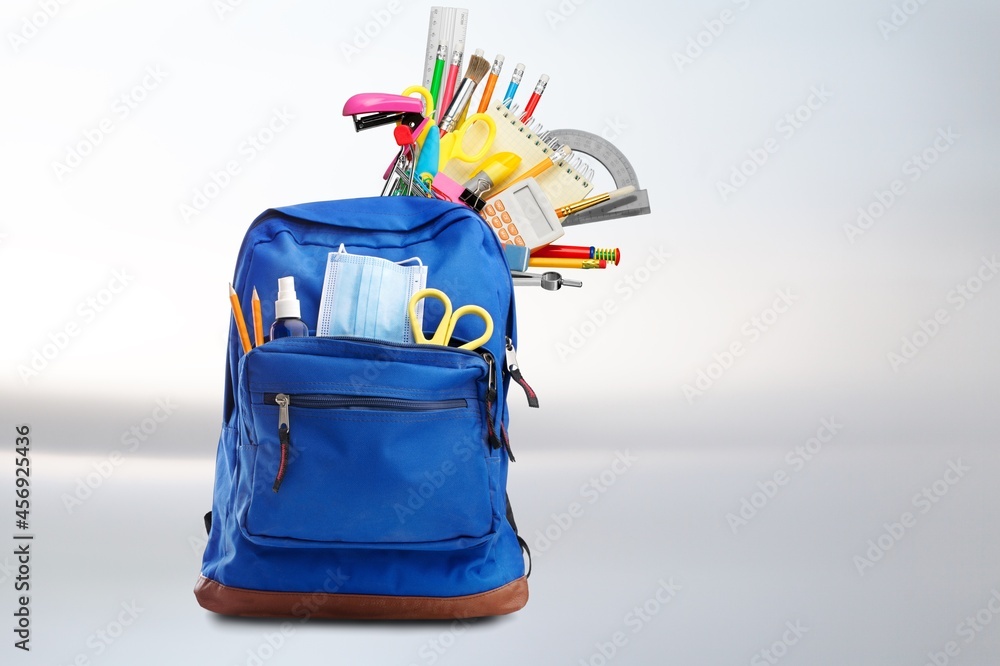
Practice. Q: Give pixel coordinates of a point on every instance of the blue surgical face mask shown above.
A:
(367, 296)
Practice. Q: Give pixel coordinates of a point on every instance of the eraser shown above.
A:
(517, 257)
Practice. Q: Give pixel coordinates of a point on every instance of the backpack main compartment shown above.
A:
(392, 500)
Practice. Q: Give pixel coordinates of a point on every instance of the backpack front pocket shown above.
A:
(355, 443)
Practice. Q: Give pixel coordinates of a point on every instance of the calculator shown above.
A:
(523, 215)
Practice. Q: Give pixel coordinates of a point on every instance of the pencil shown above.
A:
(450, 79)
(442, 58)
(491, 83)
(241, 323)
(529, 108)
(584, 204)
(515, 81)
(537, 170)
(258, 322)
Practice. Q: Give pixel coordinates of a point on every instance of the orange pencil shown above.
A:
(491, 82)
(241, 323)
(258, 321)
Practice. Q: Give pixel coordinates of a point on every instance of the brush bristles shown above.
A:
(478, 67)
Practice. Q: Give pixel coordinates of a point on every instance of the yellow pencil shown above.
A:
(258, 321)
(561, 262)
(241, 323)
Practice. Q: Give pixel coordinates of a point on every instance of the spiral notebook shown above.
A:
(561, 183)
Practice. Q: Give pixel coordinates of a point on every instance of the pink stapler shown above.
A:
(375, 109)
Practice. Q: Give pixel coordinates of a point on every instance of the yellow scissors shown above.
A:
(445, 329)
(453, 143)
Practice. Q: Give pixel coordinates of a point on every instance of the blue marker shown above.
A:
(515, 81)
(429, 159)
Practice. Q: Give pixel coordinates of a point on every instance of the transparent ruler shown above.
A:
(448, 26)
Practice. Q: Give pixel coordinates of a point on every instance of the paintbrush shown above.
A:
(584, 204)
(474, 73)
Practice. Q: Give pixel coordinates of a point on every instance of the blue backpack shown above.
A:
(393, 466)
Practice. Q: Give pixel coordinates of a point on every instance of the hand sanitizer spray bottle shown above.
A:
(287, 311)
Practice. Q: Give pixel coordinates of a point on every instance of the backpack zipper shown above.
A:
(320, 401)
(330, 401)
(283, 438)
(491, 398)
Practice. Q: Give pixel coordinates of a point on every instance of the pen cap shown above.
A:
(287, 304)
(501, 165)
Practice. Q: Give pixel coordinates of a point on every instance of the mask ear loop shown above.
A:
(414, 287)
(343, 250)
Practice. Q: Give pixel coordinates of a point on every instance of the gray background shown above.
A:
(137, 537)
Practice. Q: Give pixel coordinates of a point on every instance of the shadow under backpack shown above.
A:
(392, 501)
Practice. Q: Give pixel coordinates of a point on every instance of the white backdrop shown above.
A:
(822, 181)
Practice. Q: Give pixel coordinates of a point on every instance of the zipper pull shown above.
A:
(491, 383)
(282, 401)
(515, 374)
(491, 397)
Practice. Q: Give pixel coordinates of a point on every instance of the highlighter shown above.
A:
(495, 169)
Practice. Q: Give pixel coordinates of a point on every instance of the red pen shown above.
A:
(543, 81)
